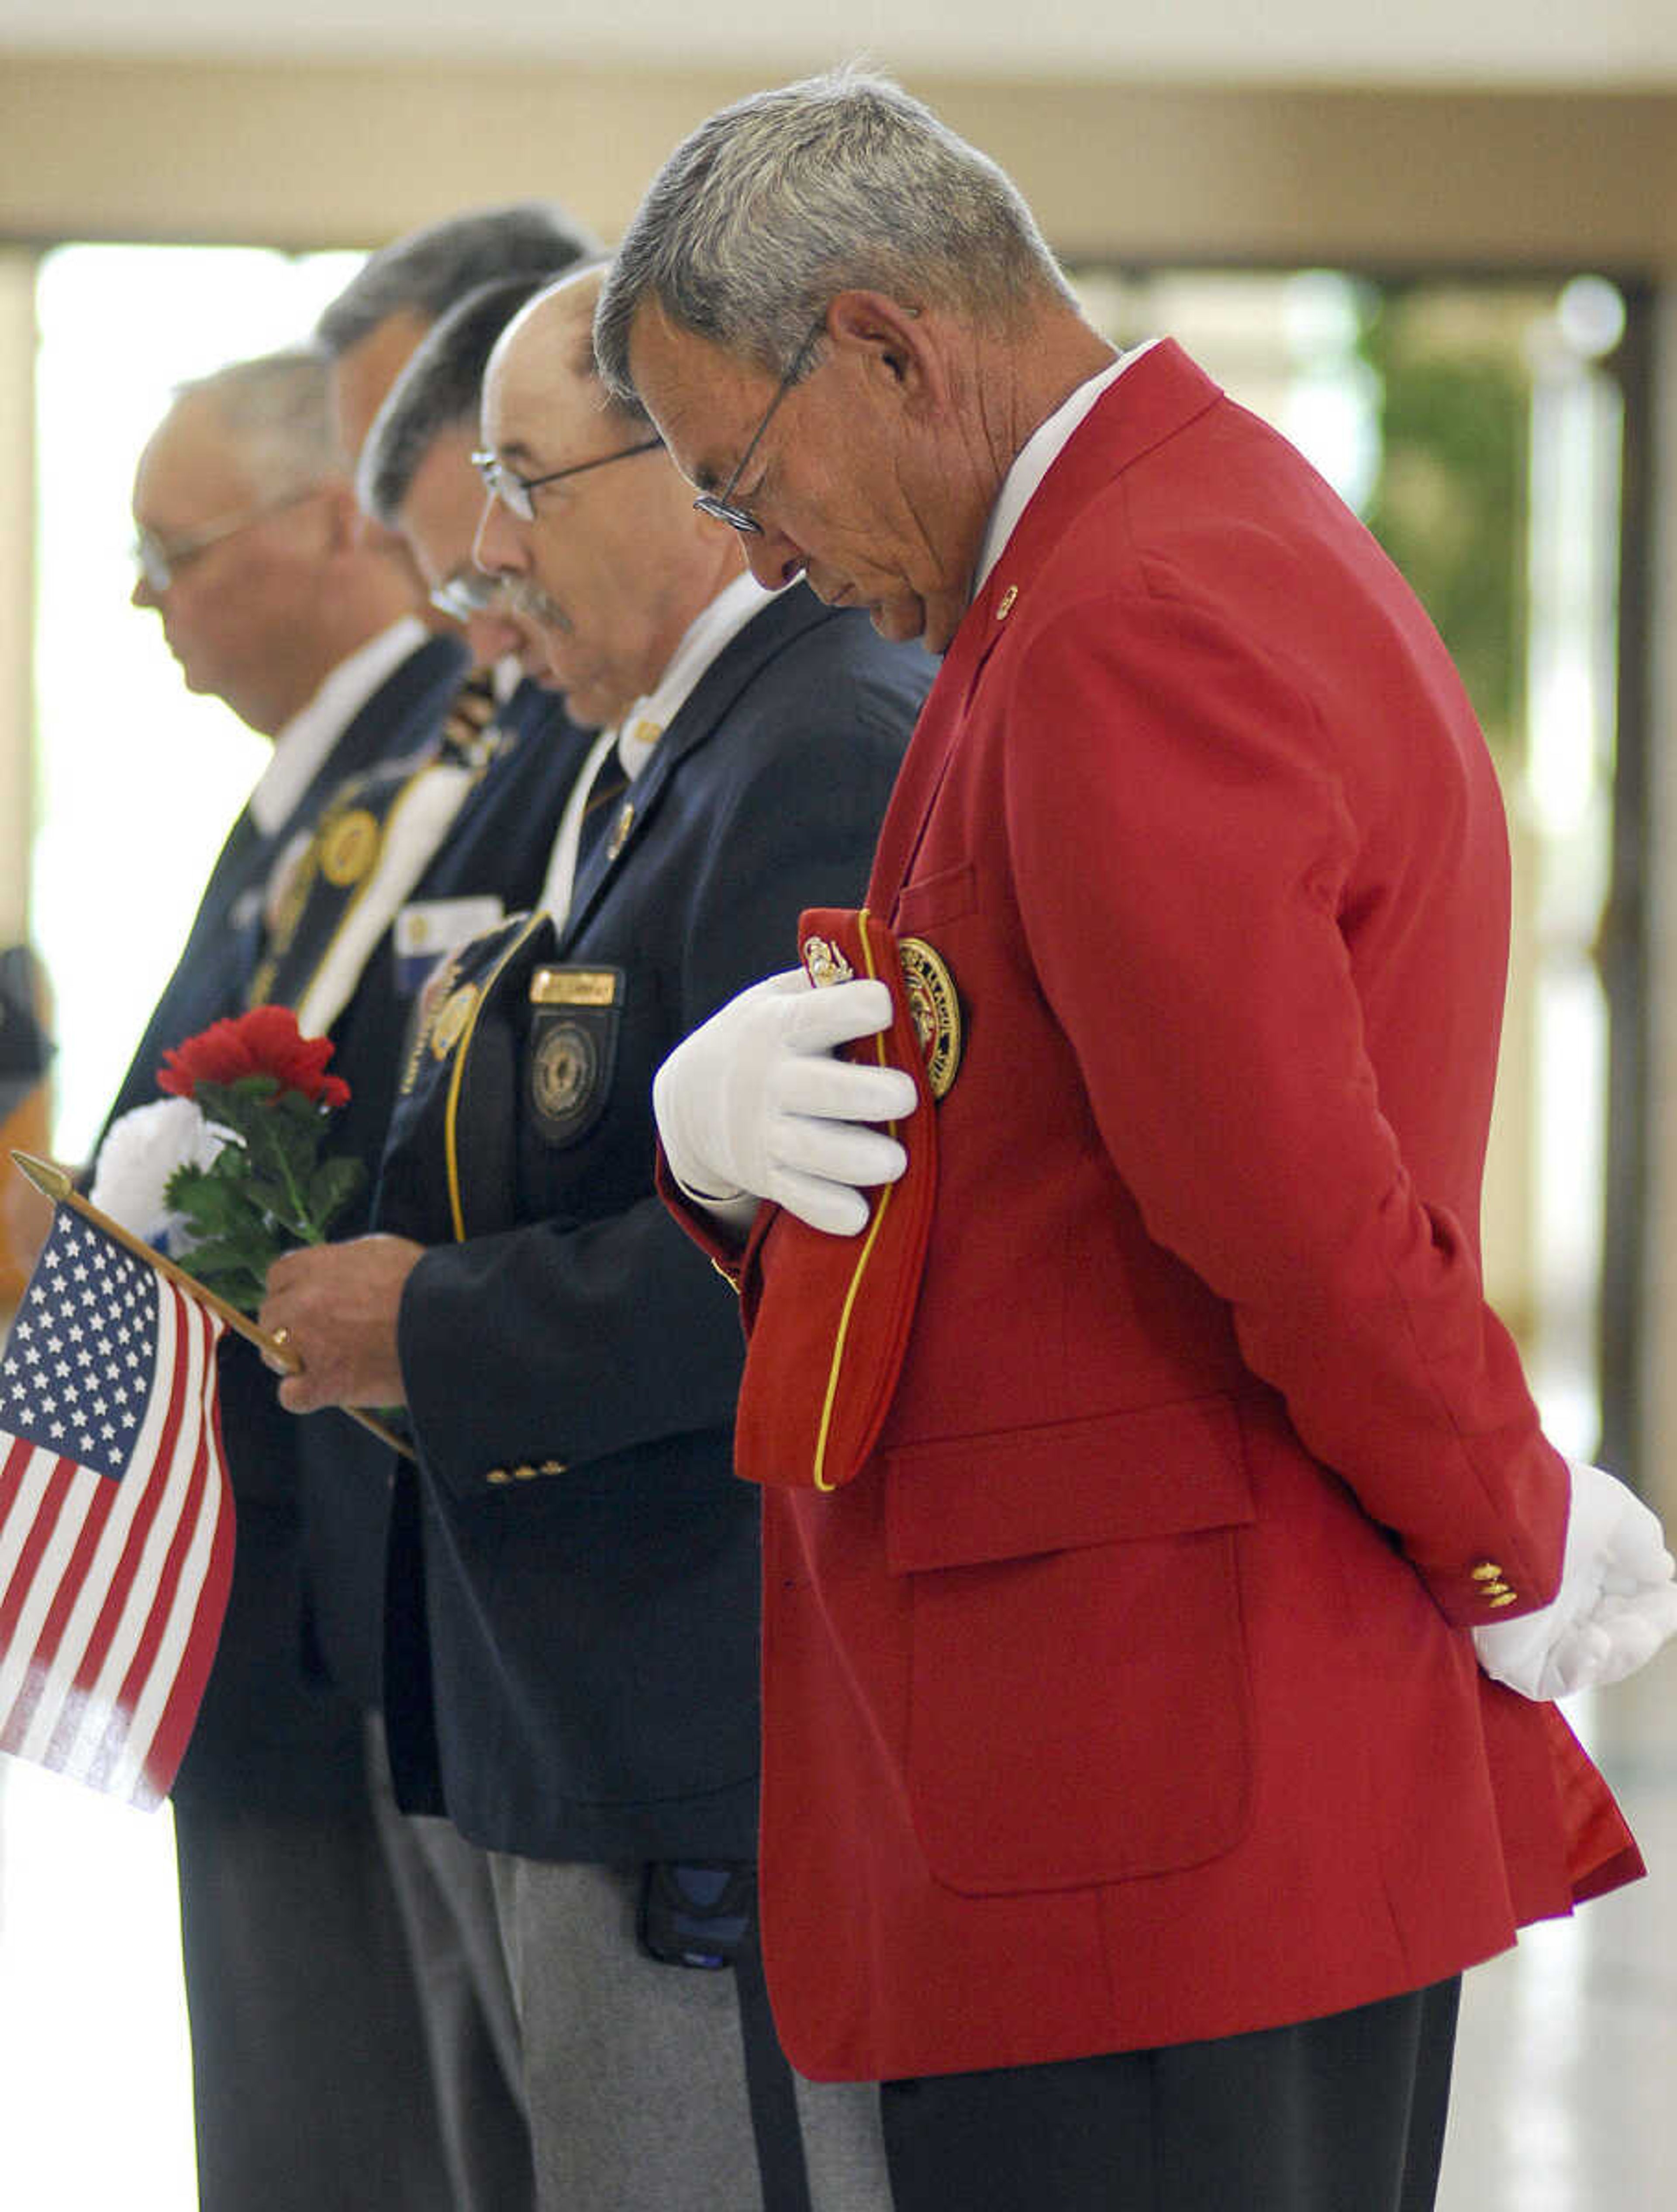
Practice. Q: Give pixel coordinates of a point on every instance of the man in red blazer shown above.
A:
(1152, 1496)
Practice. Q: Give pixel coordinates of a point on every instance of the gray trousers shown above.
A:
(444, 1898)
(636, 2073)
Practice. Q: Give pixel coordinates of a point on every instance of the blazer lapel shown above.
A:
(1156, 396)
(783, 619)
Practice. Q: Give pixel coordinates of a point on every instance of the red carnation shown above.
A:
(264, 1041)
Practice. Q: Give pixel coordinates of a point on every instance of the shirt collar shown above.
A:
(302, 747)
(1038, 454)
(710, 630)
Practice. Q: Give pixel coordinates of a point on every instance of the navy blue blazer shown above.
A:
(499, 844)
(265, 1734)
(579, 1681)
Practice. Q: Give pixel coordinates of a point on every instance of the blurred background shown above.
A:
(1436, 245)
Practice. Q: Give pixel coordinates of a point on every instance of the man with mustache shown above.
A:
(568, 1364)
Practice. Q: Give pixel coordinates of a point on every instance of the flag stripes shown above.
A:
(114, 1559)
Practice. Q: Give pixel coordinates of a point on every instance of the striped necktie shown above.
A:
(471, 737)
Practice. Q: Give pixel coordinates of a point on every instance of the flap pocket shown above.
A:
(936, 899)
(1153, 1471)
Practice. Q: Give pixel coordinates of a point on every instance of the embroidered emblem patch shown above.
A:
(562, 1071)
(347, 847)
(936, 1009)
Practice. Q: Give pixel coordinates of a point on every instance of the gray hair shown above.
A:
(438, 390)
(789, 196)
(430, 270)
(276, 408)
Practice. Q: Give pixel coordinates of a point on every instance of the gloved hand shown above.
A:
(1617, 1603)
(755, 1101)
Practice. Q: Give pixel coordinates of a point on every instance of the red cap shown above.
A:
(829, 1316)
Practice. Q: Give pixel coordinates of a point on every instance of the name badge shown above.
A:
(572, 1049)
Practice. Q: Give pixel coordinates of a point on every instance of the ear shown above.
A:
(891, 340)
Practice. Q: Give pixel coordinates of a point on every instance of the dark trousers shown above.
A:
(311, 2088)
(1343, 2114)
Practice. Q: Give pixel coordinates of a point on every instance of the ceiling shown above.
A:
(1526, 44)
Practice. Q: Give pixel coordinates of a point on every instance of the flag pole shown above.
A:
(52, 1182)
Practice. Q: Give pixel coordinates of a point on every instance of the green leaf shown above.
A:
(212, 1202)
(254, 1254)
(239, 1286)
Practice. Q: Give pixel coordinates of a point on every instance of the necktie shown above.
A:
(470, 737)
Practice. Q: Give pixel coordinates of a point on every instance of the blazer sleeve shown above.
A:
(565, 1344)
(1192, 800)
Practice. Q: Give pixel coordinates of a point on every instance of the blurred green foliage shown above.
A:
(1449, 503)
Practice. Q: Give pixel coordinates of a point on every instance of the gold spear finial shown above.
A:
(49, 1180)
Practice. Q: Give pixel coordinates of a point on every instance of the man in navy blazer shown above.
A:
(587, 1627)
(353, 962)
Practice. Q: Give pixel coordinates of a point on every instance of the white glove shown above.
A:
(1617, 1603)
(754, 1102)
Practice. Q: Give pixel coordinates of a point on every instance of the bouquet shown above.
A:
(228, 1170)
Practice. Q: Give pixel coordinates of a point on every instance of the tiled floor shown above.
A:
(1566, 2072)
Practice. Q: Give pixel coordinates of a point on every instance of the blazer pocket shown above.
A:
(1079, 1704)
(935, 900)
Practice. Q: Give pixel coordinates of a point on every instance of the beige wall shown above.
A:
(345, 155)
(17, 332)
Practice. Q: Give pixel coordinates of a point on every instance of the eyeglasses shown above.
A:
(719, 505)
(159, 562)
(517, 494)
(468, 592)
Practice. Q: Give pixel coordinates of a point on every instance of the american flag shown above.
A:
(116, 1516)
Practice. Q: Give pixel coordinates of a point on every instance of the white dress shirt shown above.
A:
(1038, 454)
(645, 722)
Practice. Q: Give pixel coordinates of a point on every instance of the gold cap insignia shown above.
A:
(620, 829)
(824, 963)
(347, 847)
(450, 1026)
(935, 1006)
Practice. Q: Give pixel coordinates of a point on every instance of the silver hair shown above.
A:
(427, 271)
(789, 196)
(276, 408)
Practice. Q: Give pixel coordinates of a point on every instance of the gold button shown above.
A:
(1487, 1570)
(497, 1474)
(553, 1467)
(1507, 1598)
(524, 1474)
(1007, 599)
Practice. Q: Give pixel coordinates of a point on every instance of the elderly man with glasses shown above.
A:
(311, 2080)
(568, 1363)
(1165, 1571)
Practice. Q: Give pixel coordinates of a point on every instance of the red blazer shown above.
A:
(1125, 1697)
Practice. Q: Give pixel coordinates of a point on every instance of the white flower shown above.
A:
(141, 1152)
